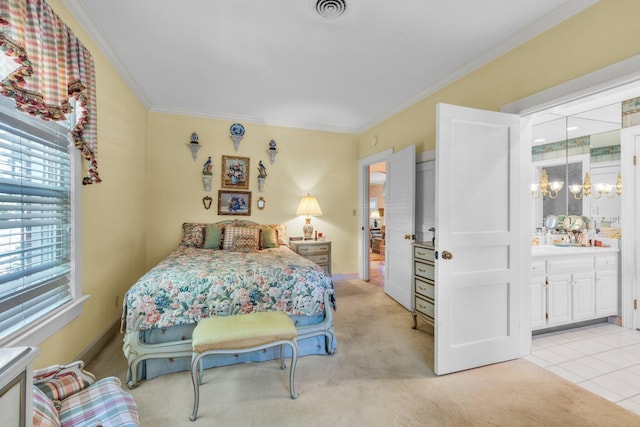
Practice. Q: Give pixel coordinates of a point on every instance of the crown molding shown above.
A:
(562, 13)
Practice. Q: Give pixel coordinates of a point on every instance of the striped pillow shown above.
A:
(60, 387)
(231, 232)
(44, 413)
(103, 403)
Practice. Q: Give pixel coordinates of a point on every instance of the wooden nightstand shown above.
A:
(318, 251)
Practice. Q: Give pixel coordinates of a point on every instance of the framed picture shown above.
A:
(235, 172)
(234, 202)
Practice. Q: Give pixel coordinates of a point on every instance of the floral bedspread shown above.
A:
(191, 284)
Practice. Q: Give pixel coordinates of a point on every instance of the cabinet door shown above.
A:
(583, 296)
(607, 293)
(559, 299)
(538, 302)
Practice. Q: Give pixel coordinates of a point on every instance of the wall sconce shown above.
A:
(584, 190)
(545, 187)
(272, 151)
(194, 145)
(237, 133)
(308, 206)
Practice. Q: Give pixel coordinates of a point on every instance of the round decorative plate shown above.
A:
(237, 129)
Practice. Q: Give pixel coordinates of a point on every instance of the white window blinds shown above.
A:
(35, 220)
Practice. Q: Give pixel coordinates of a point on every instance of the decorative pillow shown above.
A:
(281, 233)
(268, 237)
(213, 237)
(60, 388)
(44, 413)
(193, 234)
(231, 232)
(245, 243)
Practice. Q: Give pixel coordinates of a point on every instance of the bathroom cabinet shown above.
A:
(570, 285)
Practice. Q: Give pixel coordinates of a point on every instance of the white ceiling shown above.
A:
(277, 62)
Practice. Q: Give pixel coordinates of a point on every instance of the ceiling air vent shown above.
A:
(330, 8)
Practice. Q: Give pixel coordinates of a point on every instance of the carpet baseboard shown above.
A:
(95, 347)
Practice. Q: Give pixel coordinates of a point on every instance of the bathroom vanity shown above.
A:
(573, 284)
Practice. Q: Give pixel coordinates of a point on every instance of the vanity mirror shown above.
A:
(579, 152)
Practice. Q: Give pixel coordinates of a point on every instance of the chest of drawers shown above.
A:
(423, 283)
(314, 250)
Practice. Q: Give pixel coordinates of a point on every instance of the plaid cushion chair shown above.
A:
(70, 396)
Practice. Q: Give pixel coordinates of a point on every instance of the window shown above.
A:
(38, 290)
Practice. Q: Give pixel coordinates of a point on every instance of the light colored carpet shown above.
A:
(381, 375)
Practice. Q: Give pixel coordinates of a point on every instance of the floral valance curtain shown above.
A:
(52, 66)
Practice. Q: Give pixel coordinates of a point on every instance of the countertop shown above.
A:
(550, 250)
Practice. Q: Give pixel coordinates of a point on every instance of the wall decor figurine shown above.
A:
(237, 133)
(262, 176)
(272, 151)
(207, 167)
(235, 172)
(234, 202)
(194, 145)
(207, 174)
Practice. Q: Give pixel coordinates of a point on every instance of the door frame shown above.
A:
(363, 204)
(613, 80)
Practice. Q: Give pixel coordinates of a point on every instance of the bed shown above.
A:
(222, 269)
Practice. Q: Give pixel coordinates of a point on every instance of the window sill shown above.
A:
(36, 334)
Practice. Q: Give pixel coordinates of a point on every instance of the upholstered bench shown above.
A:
(241, 334)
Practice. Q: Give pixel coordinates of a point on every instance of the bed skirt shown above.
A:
(161, 351)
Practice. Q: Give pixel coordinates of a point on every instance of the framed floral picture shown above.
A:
(235, 172)
(234, 202)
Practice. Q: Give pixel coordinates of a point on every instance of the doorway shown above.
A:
(377, 191)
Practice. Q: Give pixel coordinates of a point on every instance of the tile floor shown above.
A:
(603, 358)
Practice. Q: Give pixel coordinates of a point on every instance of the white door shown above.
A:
(481, 240)
(399, 214)
(630, 262)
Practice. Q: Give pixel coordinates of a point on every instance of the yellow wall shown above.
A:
(601, 35)
(114, 212)
(151, 184)
(320, 163)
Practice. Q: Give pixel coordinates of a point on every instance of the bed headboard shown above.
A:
(193, 234)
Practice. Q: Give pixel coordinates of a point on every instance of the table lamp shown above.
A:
(308, 206)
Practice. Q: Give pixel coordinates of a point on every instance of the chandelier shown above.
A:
(546, 188)
(600, 189)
